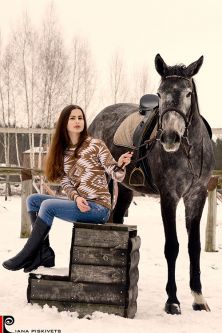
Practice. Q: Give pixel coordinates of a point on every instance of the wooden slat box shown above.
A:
(103, 273)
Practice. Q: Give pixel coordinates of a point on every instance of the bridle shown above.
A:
(187, 119)
(148, 144)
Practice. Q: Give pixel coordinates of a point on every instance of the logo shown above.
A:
(4, 322)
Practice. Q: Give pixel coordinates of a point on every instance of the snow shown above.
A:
(150, 317)
(216, 137)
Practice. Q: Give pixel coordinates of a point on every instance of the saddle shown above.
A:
(145, 132)
(147, 127)
(132, 129)
(137, 128)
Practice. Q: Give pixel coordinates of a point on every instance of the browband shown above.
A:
(176, 76)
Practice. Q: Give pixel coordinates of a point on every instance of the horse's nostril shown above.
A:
(169, 137)
(163, 137)
(177, 138)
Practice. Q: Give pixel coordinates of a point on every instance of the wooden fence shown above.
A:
(210, 239)
(26, 130)
(27, 189)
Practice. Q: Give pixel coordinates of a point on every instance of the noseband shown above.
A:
(185, 141)
(186, 120)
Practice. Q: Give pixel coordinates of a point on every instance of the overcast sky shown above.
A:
(181, 31)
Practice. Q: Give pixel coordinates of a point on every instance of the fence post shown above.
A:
(210, 240)
(25, 191)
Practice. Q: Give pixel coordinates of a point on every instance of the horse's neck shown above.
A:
(195, 133)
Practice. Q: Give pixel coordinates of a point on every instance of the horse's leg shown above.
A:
(194, 205)
(124, 199)
(168, 210)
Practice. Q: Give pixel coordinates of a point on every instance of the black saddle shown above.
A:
(148, 102)
(149, 107)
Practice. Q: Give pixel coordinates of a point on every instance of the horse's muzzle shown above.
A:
(170, 140)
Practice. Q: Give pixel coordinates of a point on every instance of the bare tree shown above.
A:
(42, 74)
(53, 73)
(24, 41)
(88, 77)
(36, 80)
(141, 84)
(118, 79)
(52, 67)
(75, 73)
(7, 105)
(83, 77)
(7, 98)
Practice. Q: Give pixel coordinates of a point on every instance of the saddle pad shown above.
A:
(124, 133)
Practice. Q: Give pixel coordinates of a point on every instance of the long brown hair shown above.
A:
(55, 158)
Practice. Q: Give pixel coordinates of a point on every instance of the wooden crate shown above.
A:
(103, 273)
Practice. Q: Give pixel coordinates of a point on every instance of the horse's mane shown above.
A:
(195, 101)
(179, 70)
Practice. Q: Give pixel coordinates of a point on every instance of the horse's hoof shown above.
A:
(200, 307)
(172, 308)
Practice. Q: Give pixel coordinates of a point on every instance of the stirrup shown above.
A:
(137, 177)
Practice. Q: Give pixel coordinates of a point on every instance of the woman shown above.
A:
(80, 163)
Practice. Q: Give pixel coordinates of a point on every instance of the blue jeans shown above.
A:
(49, 207)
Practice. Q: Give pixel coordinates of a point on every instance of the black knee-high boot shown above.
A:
(45, 256)
(32, 246)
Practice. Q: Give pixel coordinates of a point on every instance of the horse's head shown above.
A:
(176, 94)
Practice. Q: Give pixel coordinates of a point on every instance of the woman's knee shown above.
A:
(47, 206)
(31, 201)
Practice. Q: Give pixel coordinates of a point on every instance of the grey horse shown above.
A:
(180, 160)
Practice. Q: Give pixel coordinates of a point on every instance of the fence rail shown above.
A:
(217, 130)
(27, 189)
(26, 130)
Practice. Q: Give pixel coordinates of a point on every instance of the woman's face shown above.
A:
(75, 123)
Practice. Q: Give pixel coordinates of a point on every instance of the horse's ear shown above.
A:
(160, 65)
(193, 68)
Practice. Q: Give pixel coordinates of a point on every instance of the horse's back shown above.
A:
(109, 119)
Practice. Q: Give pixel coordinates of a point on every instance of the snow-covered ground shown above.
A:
(150, 317)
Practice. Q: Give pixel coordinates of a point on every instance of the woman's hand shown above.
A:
(82, 204)
(125, 159)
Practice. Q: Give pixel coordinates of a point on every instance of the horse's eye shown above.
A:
(158, 95)
(188, 95)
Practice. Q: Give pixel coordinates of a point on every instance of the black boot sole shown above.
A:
(49, 262)
(15, 269)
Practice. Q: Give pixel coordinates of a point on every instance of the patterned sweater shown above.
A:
(86, 176)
